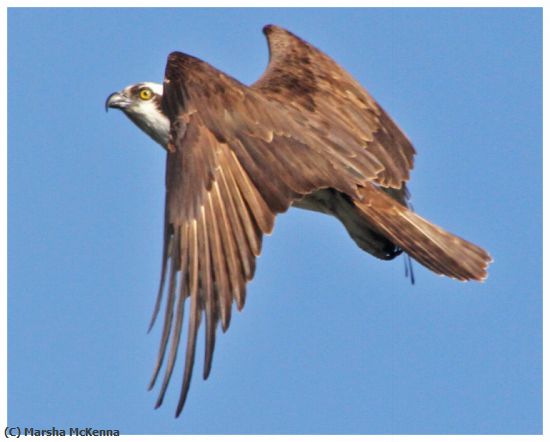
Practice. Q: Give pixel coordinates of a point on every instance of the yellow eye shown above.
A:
(145, 93)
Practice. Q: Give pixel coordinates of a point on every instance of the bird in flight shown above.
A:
(307, 135)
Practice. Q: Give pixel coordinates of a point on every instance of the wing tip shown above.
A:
(278, 38)
(175, 56)
(270, 28)
(159, 402)
(182, 400)
(206, 372)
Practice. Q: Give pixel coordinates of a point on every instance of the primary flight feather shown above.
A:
(307, 135)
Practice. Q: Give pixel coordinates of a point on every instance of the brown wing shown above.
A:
(239, 155)
(215, 218)
(333, 103)
(235, 160)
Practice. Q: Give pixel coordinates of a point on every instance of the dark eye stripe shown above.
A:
(134, 90)
(158, 103)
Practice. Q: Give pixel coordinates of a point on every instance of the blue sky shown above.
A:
(331, 340)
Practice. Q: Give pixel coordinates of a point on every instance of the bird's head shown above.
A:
(141, 103)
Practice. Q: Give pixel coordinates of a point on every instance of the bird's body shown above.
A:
(305, 134)
(148, 116)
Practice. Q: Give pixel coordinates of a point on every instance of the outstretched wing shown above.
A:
(235, 160)
(238, 156)
(215, 218)
(301, 76)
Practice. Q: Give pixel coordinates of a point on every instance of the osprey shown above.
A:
(307, 135)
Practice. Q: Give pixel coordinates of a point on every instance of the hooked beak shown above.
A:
(116, 100)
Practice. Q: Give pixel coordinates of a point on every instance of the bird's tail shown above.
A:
(430, 245)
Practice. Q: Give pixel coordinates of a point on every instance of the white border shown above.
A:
(164, 3)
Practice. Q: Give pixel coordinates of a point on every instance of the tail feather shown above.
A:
(430, 245)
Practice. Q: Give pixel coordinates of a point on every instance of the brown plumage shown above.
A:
(305, 134)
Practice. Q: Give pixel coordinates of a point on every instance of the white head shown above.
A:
(141, 103)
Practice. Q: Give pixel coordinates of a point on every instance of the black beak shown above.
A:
(116, 101)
